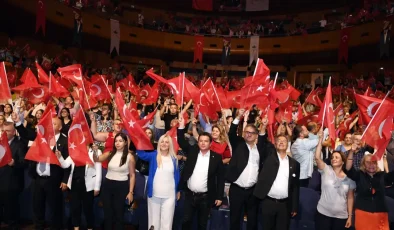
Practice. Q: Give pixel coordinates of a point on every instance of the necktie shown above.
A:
(41, 167)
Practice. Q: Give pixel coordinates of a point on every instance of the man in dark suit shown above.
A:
(49, 180)
(12, 178)
(278, 182)
(202, 178)
(242, 172)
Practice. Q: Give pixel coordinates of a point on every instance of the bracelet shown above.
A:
(131, 192)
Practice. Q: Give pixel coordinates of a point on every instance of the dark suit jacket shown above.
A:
(240, 156)
(215, 169)
(269, 170)
(12, 177)
(58, 174)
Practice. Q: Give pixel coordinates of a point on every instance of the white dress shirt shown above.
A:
(302, 151)
(198, 182)
(248, 177)
(280, 187)
(47, 171)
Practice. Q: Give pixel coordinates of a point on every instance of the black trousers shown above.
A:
(240, 199)
(323, 222)
(199, 203)
(81, 200)
(9, 208)
(276, 215)
(304, 183)
(114, 197)
(47, 191)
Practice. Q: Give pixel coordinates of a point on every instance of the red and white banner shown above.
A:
(198, 48)
(40, 17)
(343, 50)
(115, 36)
(254, 49)
(257, 5)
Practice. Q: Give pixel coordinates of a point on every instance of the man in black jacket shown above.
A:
(242, 172)
(49, 180)
(12, 178)
(278, 183)
(202, 178)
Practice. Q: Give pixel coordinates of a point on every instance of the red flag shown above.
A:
(28, 77)
(5, 151)
(173, 134)
(198, 48)
(343, 50)
(234, 98)
(326, 114)
(262, 70)
(177, 88)
(79, 137)
(72, 73)
(56, 89)
(344, 126)
(40, 17)
(284, 113)
(367, 107)
(136, 133)
(146, 120)
(86, 100)
(50, 109)
(100, 90)
(314, 117)
(42, 76)
(378, 132)
(40, 151)
(313, 98)
(338, 109)
(206, 5)
(153, 95)
(45, 128)
(5, 93)
(36, 94)
(300, 113)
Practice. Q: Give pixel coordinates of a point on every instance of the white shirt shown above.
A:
(163, 182)
(116, 172)
(279, 189)
(47, 171)
(302, 151)
(248, 177)
(198, 182)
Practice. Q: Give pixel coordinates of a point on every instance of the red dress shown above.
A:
(221, 148)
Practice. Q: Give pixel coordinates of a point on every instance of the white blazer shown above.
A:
(93, 174)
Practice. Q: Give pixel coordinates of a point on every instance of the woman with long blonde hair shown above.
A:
(162, 183)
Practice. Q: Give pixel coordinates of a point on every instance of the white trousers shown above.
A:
(161, 212)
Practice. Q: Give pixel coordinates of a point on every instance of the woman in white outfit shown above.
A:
(162, 183)
(84, 183)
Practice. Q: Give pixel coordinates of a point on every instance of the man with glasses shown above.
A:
(242, 172)
(361, 149)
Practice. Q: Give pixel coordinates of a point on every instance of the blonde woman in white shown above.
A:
(162, 183)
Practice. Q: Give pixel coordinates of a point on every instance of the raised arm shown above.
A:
(320, 163)
(194, 129)
(232, 134)
(181, 134)
(146, 156)
(187, 106)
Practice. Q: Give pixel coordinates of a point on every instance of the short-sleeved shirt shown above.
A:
(333, 199)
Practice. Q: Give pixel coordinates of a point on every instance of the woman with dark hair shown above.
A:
(335, 207)
(117, 186)
(65, 117)
(67, 103)
(7, 112)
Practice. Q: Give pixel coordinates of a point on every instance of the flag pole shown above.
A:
(106, 84)
(217, 97)
(83, 87)
(325, 105)
(387, 94)
(183, 89)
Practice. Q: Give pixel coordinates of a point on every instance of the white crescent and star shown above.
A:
(260, 88)
(370, 108)
(380, 130)
(98, 89)
(201, 95)
(77, 126)
(146, 93)
(174, 87)
(124, 110)
(78, 78)
(39, 95)
(41, 129)
(332, 109)
(41, 4)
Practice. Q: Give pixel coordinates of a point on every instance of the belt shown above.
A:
(44, 177)
(243, 188)
(198, 193)
(277, 200)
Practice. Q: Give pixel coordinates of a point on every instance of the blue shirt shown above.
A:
(151, 158)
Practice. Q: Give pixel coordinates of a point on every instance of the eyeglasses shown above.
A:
(249, 133)
(371, 162)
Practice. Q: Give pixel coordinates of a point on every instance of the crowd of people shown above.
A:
(194, 152)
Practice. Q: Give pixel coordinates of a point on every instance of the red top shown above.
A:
(109, 145)
(221, 148)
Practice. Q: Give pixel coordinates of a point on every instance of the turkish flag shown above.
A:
(145, 90)
(144, 122)
(378, 132)
(133, 110)
(153, 95)
(5, 93)
(45, 128)
(28, 76)
(42, 76)
(300, 113)
(367, 106)
(5, 151)
(262, 70)
(50, 109)
(191, 91)
(40, 16)
(326, 114)
(234, 98)
(344, 126)
(177, 87)
(79, 137)
(314, 117)
(284, 113)
(132, 86)
(36, 94)
(343, 50)
(86, 100)
(56, 89)
(40, 151)
(100, 91)
(206, 5)
(339, 108)
(174, 137)
(72, 73)
(198, 48)
(313, 98)
(136, 133)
